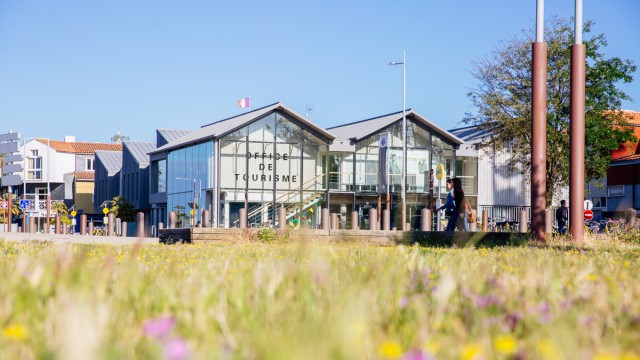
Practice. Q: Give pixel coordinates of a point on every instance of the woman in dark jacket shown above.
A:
(456, 221)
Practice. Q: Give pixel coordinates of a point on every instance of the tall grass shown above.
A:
(318, 301)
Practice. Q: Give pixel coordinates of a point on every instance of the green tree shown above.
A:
(502, 102)
(60, 208)
(122, 208)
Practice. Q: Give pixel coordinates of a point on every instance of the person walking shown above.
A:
(562, 217)
(458, 197)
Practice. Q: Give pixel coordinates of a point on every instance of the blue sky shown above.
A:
(89, 68)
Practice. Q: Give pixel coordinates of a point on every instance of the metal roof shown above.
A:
(471, 134)
(139, 150)
(356, 131)
(169, 135)
(112, 160)
(225, 126)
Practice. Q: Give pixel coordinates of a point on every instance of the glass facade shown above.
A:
(189, 178)
(271, 163)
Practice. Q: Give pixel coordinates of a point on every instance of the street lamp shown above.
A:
(404, 138)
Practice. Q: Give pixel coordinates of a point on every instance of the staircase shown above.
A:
(290, 201)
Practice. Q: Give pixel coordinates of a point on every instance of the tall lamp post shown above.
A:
(404, 138)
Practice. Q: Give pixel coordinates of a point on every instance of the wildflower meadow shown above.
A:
(296, 300)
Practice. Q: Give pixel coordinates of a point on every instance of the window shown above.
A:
(90, 165)
(613, 191)
(158, 173)
(34, 166)
(599, 202)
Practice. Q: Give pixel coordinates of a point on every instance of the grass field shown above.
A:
(318, 301)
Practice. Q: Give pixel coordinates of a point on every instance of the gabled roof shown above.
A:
(84, 175)
(112, 160)
(471, 134)
(139, 150)
(356, 131)
(79, 147)
(226, 126)
(169, 135)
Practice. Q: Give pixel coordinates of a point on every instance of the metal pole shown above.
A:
(539, 128)
(576, 138)
(404, 142)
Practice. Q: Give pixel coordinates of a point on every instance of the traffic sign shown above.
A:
(8, 147)
(588, 205)
(10, 137)
(588, 214)
(440, 172)
(192, 212)
(73, 213)
(25, 204)
(9, 169)
(105, 210)
(12, 180)
(4, 204)
(12, 158)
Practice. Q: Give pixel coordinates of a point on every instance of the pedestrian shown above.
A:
(449, 204)
(459, 198)
(562, 216)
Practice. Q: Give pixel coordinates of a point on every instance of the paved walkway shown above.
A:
(76, 239)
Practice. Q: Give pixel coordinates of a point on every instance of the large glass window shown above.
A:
(159, 176)
(188, 177)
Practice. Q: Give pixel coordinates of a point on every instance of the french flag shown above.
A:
(243, 103)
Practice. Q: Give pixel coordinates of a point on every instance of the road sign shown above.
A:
(588, 205)
(12, 158)
(73, 213)
(10, 137)
(25, 204)
(384, 140)
(11, 180)
(192, 212)
(4, 204)
(8, 148)
(588, 214)
(8, 169)
(440, 172)
(105, 210)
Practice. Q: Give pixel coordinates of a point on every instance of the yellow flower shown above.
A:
(15, 332)
(629, 356)
(549, 350)
(604, 356)
(432, 346)
(505, 344)
(390, 350)
(472, 351)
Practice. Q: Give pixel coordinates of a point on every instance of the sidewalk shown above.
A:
(76, 239)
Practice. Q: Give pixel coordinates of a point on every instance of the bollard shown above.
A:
(407, 226)
(83, 224)
(64, 228)
(242, 215)
(282, 218)
(473, 227)
(56, 226)
(354, 220)
(140, 224)
(548, 223)
(485, 221)
(90, 231)
(630, 217)
(32, 224)
(206, 219)
(523, 221)
(373, 219)
(172, 220)
(334, 221)
(123, 229)
(386, 219)
(425, 220)
(110, 224)
(160, 226)
(325, 220)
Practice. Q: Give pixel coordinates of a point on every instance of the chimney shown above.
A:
(69, 138)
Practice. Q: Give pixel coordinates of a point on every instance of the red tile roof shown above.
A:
(80, 147)
(84, 175)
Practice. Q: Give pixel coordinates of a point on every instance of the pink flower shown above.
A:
(159, 328)
(417, 355)
(176, 350)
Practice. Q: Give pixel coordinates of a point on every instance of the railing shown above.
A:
(284, 198)
(505, 213)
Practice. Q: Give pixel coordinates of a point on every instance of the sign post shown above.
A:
(439, 175)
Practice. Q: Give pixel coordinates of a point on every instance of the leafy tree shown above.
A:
(117, 138)
(122, 208)
(60, 208)
(502, 102)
